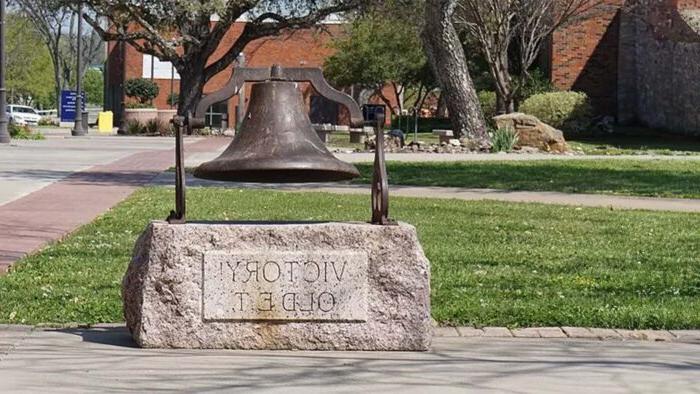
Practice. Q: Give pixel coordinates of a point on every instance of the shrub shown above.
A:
(173, 99)
(156, 126)
(504, 139)
(138, 105)
(134, 127)
(152, 126)
(23, 132)
(488, 104)
(568, 111)
(537, 83)
(47, 121)
(144, 90)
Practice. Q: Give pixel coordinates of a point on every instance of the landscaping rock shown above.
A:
(309, 286)
(533, 133)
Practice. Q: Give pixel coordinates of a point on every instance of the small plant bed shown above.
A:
(341, 141)
(493, 264)
(18, 132)
(651, 177)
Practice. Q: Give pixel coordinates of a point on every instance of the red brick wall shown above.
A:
(299, 48)
(584, 57)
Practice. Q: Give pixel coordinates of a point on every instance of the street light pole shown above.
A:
(78, 129)
(4, 134)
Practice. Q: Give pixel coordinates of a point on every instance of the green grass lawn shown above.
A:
(492, 263)
(635, 141)
(657, 178)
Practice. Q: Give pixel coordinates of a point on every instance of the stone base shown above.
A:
(315, 286)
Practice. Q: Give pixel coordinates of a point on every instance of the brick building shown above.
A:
(639, 64)
(641, 67)
(299, 48)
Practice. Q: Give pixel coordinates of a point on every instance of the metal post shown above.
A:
(380, 182)
(79, 129)
(415, 124)
(153, 67)
(4, 134)
(172, 86)
(240, 109)
(178, 216)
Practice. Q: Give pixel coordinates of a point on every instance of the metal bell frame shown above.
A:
(186, 124)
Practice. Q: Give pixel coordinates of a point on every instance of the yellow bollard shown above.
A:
(105, 121)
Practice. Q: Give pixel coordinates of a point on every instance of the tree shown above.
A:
(448, 61)
(55, 21)
(182, 31)
(497, 25)
(382, 49)
(28, 70)
(93, 85)
(142, 89)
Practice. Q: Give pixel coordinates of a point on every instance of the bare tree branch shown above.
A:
(497, 25)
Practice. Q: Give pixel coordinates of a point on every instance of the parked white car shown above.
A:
(23, 115)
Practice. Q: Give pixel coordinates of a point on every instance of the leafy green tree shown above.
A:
(93, 84)
(144, 90)
(56, 23)
(184, 33)
(380, 49)
(29, 77)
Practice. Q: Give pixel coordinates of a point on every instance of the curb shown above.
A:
(595, 334)
(600, 334)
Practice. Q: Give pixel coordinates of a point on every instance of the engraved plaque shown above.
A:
(289, 286)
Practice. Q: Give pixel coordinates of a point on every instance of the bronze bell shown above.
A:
(276, 143)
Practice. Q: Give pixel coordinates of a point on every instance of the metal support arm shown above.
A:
(178, 216)
(314, 76)
(380, 182)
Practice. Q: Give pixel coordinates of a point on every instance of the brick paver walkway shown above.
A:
(50, 213)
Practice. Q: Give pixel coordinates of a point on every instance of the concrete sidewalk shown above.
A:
(105, 360)
(458, 193)
(72, 199)
(27, 166)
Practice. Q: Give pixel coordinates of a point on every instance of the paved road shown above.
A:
(104, 360)
(27, 166)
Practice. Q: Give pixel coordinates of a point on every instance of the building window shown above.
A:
(215, 115)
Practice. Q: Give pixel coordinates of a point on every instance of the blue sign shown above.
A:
(68, 105)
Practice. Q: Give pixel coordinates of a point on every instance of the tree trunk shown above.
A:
(191, 89)
(505, 103)
(441, 111)
(448, 61)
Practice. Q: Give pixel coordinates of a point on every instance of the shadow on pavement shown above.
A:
(111, 336)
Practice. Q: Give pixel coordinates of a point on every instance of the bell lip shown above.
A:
(286, 172)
